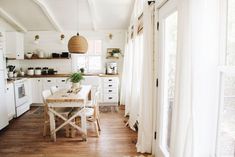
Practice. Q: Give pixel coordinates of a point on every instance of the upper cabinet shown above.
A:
(14, 45)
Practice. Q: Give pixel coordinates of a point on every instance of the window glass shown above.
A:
(92, 60)
(226, 133)
(227, 123)
(94, 63)
(231, 33)
(170, 49)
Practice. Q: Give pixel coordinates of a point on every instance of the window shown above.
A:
(92, 60)
(226, 132)
(170, 48)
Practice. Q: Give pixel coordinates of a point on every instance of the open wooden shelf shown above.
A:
(45, 58)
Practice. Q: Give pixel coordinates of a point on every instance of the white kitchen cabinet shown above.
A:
(14, 45)
(37, 87)
(63, 83)
(3, 106)
(49, 82)
(109, 91)
(10, 101)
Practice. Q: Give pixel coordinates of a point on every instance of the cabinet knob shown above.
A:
(110, 85)
(110, 98)
(63, 81)
(48, 80)
(110, 80)
(110, 90)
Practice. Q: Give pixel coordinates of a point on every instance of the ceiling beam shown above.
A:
(13, 22)
(92, 8)
(49, 14)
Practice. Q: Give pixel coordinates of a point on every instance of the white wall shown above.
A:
(50, 42)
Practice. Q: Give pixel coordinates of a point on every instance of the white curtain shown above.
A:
(145, 133)
(195, 109)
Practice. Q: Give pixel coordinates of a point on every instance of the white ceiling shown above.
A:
(91, 14)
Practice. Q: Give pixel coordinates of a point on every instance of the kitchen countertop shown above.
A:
(67, 75)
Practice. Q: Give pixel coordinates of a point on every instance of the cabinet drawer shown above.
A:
(110, 85)
(111, 98)
(110, 90)
(110, 80)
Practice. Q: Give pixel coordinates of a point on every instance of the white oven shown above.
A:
(21, 99)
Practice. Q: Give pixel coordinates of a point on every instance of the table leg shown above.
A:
(83, 123)
(52, 125)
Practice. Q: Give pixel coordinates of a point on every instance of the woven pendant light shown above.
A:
(78, 44)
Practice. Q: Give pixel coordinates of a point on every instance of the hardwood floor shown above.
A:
(23, 138)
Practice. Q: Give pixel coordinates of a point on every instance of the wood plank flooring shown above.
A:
(23, 138)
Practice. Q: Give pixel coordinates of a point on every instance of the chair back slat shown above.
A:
(45, 94)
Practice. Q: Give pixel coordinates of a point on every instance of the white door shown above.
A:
(168, 18)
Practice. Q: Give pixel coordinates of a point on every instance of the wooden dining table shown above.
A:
(64, 98)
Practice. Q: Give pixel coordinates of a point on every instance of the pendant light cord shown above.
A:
(78, 17)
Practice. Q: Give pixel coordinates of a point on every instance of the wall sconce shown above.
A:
(110, 36)
(62, 36)
(36, 39)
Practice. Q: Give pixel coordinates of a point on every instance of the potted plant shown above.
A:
(115, 52)
(82, 70)
(76, 78)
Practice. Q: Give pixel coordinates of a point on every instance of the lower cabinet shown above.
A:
(10, 100)
(109, 91)
(108, 86)
(40, 84)
(37, 88)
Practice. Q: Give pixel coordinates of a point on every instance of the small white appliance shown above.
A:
(22, 101)
(111, 68)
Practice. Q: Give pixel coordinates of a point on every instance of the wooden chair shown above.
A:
(92, 113)
(64, 111)
(54, 89)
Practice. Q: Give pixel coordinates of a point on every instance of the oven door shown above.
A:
(20, 96)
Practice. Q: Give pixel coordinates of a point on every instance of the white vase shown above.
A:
(76, 85)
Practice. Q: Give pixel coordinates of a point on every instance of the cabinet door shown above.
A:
(15, 45)
(63, 83)
(3, 106)
(10, 101)
(48, 83)
(19, 45)
(37, 90)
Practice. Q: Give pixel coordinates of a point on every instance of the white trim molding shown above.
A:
(49, 14)
(13, 22)
(92, 7)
